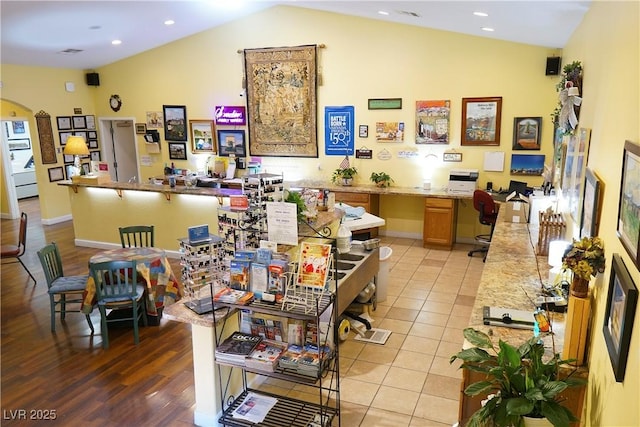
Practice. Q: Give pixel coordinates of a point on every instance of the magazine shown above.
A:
(237, 347)
(254, 407)
(233, 296)
(265, 356)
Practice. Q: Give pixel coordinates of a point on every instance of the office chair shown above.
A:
(487, 214)
(16, 251)
(116, 289)
(61, 286)
(136, 236)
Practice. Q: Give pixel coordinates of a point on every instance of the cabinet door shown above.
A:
(439, 222)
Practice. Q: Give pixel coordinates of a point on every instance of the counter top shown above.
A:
(158, 188)
(373, 189)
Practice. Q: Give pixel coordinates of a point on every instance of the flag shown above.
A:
(345, 163)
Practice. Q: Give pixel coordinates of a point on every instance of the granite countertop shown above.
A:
(158, 188)
(372, 189)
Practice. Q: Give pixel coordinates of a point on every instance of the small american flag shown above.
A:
(345, 163)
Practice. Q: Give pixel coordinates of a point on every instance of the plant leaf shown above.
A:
(557, 415)
(478, 387)
(477, 338)
(519, 406)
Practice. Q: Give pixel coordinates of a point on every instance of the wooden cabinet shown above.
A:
(439, 222)
(370, 202)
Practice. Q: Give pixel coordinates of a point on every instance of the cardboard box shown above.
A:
(94, 179)
(517, 208)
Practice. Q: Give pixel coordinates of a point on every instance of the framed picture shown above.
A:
(481, 120)
(231, 142)
(79, 122)
(154, 120)
(385, 104)
(91, 122)
(141, 128)
(175, 122)
(56, 174)
(389, 131)
(202, 136)
(177, 151)
(619, 316)
(68, 158)
(45, 134)
(526, 133)
(64, 136)
(527, 164)
(19, 144)
(93, 143)
(452, 157)
(628, 218)
(95, 156)
(18, 127)
(86, 168)
(432, 122)
(592, 203)
(363, 131)
(64, 122)
(92, 134)
(82, 133)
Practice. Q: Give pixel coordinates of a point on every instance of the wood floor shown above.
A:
(67, 374)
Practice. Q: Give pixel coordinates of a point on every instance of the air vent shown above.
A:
(408, 13)
(70, 51)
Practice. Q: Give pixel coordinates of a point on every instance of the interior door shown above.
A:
(119, 149)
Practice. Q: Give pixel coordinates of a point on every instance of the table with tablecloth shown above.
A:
(153, 269)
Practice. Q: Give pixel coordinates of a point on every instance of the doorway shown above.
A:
(19, 171)
(119, 149)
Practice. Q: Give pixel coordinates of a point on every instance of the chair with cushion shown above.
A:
(487, 214)
(117, 289)
(16, 251)
(61, 286)
(136, 236)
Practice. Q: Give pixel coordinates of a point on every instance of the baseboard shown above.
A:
(57, 220)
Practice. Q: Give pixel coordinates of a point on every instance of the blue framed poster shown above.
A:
(338, 131)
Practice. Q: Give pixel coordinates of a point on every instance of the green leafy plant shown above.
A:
(585, 257)
(521, 383)
(381, 179)
(346, 173)
(295, 197)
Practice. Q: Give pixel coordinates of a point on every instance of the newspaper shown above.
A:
(254, 407)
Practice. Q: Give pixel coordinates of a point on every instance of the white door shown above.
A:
(18, 168)
(119, 149)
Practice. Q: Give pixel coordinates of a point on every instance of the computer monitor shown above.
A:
(518, 187)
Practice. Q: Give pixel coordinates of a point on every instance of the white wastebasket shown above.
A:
(382, 283)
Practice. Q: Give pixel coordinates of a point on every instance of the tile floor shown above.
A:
(408, 382)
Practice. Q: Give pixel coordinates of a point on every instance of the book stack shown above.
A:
(233, 296)
(289, 359)
(236, 348)
(313, 360)
(265, 356)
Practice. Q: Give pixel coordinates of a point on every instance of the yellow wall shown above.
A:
(611, 96)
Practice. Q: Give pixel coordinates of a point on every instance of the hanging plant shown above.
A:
(565, 116)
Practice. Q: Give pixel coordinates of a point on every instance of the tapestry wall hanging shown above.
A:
(281, 99)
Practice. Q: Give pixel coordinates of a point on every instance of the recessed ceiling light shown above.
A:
(169, 22)
(382, 12)
(116, 42)
(487, 29)
(480, 14)
(95, 27)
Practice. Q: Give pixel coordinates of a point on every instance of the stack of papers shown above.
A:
(254, 407)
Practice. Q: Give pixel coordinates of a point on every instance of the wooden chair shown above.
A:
(136, 236)
(117, 289)
(16, 251)
(61, 286)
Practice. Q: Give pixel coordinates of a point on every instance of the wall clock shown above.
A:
(115, 102)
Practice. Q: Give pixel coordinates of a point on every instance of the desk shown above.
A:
(153, 267)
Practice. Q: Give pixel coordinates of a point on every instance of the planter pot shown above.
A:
(579, 287)
(347, 181)
(536, 422)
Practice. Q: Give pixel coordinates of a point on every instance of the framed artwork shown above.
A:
(628, 219)
(56, 174)
(86, 168)
(527, 164)
(526, 133)
(93, 143)
(64, 122)
(95, 156)
(231, 142)
(45, 134)
(481, 120)
(619, 316)
(154, 120)
(68, 158)
(452, 157)
(91, 122)
(202, 136)
(177, 151)
(175, 122)
(79, 122)
(592, 202)
(141, 128)
(574, 171)
(19, 144)
(281, 101)
(363, 131)
(389, 131)
(63, 137)
(432, 122)
(384, 104)
(18, 127)
(92, 134)
(82, 133)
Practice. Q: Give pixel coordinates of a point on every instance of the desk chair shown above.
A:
(487, 214)
(16, 251)
(137, 236)
(61, 286)
(117, 289)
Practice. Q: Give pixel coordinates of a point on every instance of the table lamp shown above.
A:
(76, 146)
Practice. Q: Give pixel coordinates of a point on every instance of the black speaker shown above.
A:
(93, 79)
(553, 66)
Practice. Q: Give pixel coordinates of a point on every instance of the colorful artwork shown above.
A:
(389, 131)
(432, 122)
(313, 267)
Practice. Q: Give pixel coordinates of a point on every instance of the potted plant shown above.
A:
(585, 258)
(381, 179)
(522, 384)
(344, 176)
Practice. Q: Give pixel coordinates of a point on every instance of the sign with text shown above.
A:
(230, 115)
(338, 131)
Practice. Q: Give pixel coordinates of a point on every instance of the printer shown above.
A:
(463, 181)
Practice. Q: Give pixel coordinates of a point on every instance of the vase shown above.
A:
(579, 287)
(346, 182)
(536, 422)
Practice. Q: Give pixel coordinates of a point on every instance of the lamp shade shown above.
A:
(76, 146)
(557, 248)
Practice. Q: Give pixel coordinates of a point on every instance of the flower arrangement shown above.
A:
(585, 257)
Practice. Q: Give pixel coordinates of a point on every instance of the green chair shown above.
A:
(61, 286)
(117, 289)
(136, 236)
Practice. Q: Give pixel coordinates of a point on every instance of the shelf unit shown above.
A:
(201, 268)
